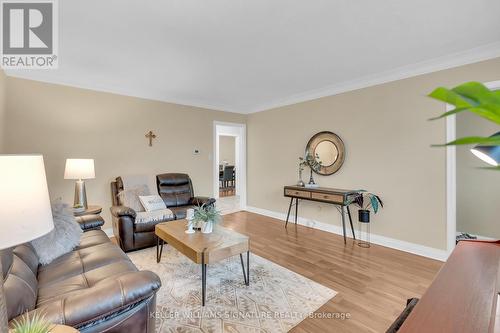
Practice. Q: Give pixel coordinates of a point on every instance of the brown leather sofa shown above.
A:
(176, 189)
(94, 288)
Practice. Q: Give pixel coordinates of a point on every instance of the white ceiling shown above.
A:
(247, 56)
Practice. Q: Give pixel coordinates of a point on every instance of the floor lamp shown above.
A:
(25, 212)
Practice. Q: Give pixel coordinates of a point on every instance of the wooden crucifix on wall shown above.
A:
(151, 136)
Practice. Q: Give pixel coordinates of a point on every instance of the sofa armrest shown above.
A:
(119, 211)
(90, 222)
(199, 201)
(108, 297)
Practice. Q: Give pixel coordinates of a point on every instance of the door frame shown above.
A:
(238, 130)
(451, 175)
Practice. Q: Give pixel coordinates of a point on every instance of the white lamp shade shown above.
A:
(79, 168)
(25, 211)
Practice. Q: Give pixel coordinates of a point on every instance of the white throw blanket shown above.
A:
(154, 216)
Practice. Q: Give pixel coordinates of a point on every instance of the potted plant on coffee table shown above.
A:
(207, 216)
(35, 323)
(365, 201)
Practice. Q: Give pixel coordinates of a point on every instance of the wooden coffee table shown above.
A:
(204, 249)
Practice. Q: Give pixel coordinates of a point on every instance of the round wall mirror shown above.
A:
(327, 148)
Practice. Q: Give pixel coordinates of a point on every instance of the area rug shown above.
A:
(276, 300)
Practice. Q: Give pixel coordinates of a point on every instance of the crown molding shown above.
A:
(486, 52)
(482, 53)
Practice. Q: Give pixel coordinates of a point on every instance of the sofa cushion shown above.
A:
(86, 309)
(20, 285)
(79, 262)
(92, 238)
(80, 270)
(27, 253)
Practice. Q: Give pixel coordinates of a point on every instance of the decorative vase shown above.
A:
(300, 182)
(207, 227)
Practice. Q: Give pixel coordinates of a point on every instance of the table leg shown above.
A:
(289, 209)
(350, 221)
(244, 271)
(296, 209)
(203, 279)
(159, 248)
(343, 223)
(248, 268)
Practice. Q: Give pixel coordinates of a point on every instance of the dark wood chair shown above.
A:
(228, 178)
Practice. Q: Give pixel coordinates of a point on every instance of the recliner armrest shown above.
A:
(90, 222)
(119, 211)
(110, 296)
(199, 201)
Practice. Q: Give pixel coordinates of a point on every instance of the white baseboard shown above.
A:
(420, 250)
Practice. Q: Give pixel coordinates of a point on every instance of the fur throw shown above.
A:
(62, 239)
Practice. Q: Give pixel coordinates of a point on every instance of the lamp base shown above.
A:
(4, 321)
(80, 195)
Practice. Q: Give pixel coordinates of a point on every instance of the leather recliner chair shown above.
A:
(176, 190)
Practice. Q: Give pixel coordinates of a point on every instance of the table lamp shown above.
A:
(488, 154)
(25, 211)
(79, 169)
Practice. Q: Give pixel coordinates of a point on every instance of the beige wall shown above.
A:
(385, 130)
(3, 109)
(387, 138)
(62, 122)
(478, 190)
(227, 149)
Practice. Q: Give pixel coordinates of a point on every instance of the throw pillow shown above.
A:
(130, 197)
(152, 202)
(62, 239)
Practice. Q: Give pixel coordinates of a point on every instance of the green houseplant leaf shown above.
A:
(366, 200)
(35, 323)
(374, 203)
(476, 98)
(472, 97)
(475, 140)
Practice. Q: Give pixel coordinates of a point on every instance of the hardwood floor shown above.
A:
(227, 192)
(372, 284)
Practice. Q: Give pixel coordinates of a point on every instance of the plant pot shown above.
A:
(364, 216)
(207, 227)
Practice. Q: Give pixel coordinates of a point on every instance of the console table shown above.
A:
(320, 194)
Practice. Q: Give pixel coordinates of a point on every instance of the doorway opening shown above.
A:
(229, 166)
(457, 189)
